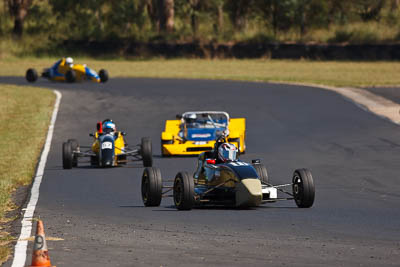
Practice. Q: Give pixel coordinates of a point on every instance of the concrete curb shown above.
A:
(364, 99)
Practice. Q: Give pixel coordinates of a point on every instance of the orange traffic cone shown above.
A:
(40, 254)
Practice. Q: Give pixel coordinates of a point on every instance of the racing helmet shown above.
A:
(108, 127)
(69, 61)
(227, 152)
(190, 118)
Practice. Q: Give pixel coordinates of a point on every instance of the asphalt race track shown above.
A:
(353, 155)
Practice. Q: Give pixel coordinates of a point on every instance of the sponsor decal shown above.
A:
(201, 135)
(106, 145)
(200, 143)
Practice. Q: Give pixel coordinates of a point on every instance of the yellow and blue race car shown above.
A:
(65, 71)
(195, 132)
(108, 149)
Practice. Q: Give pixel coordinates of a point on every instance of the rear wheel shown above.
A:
(70, 76)
(261, 172)
(67, 155)
(103, 75)
(183, 191)
(146, 152)
(151, 187)
(31, 75)
(74, 147)
(303, 188)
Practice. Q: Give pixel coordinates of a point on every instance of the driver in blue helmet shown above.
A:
(109, 126)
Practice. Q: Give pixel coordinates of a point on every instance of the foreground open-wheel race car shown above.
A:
(235, 184)
(61, 71)
(194, 132)
(108, 149)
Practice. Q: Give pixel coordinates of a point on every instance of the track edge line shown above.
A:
(19, 256)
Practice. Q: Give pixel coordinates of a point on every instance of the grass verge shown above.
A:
(25, 115)
(334, 73)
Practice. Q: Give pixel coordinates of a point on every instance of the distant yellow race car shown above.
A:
(61, 71)
(194, 132)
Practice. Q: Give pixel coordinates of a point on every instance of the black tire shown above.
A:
(31, 75)
(70, 76)
(303, 188)
(74, 147)
(151, 187)
(67, 155)
(103, 75)
(94, 161)
(183, 191)
(261, 172)
(146, 152)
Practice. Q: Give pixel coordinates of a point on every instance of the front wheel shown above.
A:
(103, 75)
(67, 155)
(70, 76)
(303, 188)
(146, 152)
(74, 148)
(183, 191)
(151, 187)
(31, 75)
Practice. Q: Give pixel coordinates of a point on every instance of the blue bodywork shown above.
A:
(90, 74)
(203, 134)
(106, 154)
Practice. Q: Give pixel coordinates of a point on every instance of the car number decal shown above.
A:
(106, 145)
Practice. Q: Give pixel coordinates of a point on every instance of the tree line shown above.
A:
(151, 20)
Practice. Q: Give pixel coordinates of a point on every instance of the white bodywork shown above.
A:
(271, 191)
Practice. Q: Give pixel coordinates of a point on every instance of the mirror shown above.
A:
(91, 135)
(178, 116)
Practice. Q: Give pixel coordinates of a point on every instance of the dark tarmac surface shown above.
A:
(392, 93)
(353, 155)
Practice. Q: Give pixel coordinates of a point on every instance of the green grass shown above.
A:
(335, 73)
(25, 114)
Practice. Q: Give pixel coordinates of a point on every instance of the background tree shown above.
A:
(166, 15)
(18, 10)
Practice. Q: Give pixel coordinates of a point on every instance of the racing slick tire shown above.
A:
(70, 76)
(146, 152)
(31, 75)
(261, 172)
(67, 155)
(303, 188)
(103, 75)
(183, 191)
(74, 147)
(151, 187)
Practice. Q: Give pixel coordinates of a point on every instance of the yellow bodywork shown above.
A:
(79, 71)
(172, 144)
(119, 145)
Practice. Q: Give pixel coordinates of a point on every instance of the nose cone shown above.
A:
(248, 193)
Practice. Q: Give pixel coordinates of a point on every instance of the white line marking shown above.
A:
(22, 244)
